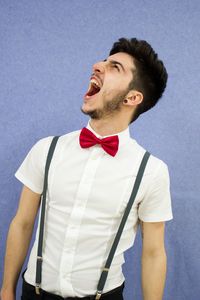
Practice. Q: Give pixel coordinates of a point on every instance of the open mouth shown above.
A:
(94, 88)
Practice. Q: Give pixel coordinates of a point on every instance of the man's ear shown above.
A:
(134, 98)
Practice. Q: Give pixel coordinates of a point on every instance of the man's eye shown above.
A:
(116, 66)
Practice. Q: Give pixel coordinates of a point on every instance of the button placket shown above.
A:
(72, 232)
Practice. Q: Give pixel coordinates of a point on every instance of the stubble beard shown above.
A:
(110, 107)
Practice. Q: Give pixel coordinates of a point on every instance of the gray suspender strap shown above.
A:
(42, 216)
(104, 273)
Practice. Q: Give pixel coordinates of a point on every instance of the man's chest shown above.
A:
(92, 184)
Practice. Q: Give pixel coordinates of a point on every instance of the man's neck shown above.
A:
(107, 127)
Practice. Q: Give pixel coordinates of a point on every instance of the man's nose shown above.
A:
(99, 67)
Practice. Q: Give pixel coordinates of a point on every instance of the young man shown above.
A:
(89, 185)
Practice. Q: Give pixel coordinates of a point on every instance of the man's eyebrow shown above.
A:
(114, 62)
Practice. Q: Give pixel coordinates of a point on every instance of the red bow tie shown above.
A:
(109, 144)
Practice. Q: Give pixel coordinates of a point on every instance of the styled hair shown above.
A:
(150, 76)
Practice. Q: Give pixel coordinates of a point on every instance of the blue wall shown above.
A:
(47, 49)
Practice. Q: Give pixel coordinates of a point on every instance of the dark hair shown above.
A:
(150, 76)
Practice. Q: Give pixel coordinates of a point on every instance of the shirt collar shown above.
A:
(124, 135)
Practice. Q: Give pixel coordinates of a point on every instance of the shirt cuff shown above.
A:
(156, 218)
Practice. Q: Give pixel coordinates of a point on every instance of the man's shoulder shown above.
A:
(68, 139)
(44, 142)
(69, 136)
(154, 164)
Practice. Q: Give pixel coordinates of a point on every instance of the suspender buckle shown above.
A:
(98, 295)
(105, 269)
(39, 258)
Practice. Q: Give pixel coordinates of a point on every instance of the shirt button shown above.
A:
(72, 227)
(95, 156)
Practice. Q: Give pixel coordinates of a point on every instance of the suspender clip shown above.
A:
(98, 295)
(37, 289)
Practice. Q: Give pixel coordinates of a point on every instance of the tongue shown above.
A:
(92, 91)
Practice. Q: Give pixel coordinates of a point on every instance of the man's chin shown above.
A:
(94, 114)
(85, 111)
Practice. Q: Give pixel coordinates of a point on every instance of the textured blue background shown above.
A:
(47, 49)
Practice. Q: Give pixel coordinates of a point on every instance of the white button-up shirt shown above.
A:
(87, 193)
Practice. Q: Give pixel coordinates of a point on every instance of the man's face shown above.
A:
(108, 86)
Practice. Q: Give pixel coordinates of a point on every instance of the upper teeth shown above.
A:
(95, 82)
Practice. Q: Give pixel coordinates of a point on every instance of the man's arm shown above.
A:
(18, 240)
(154, 260)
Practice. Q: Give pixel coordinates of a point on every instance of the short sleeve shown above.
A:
(31, 171)
(156, 204)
